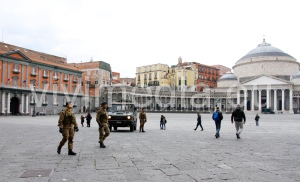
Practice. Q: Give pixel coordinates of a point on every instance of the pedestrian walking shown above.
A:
(88, 119)
(198, 122)
(143, 119)
(102, 120)
(82, 120)
(257, 119)
(67, 125)
(238, 116)
(163, 122)
(217, 117)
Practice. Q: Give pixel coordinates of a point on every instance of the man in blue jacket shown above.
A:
(217, 117)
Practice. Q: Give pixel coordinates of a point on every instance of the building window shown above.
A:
(149, 76)
(179, 82)
(55, 75)
(149, 68)
(16, 68)
(164, 68)
(45, 86)
(173, 77)
(88, 82)
(45, 100)
(74, 89)
(145, 69)
(45, 74)
(138, 77)
(96, 81)
(185, 82)
(179, 74)
(55, 101)
(65, 87)
(15, 81)
(195, 75)
(155, 75)
(33, 71)
(66, 77)
(185, 73)
(96, 72)
(88, 73)
(55, 87)
(139, 70)
(155, 67)
(145, 77)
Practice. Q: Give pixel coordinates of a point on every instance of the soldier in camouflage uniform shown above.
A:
(66, 123)
(102, 120)
(143, 119)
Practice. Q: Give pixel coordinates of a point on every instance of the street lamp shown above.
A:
(33, 114)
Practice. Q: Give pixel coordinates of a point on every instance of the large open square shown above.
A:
(269, 152)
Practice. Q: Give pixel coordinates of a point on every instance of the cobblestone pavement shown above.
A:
(269, 152)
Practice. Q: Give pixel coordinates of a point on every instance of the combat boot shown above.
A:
(58, 149)
(71, 152)
(102, 145)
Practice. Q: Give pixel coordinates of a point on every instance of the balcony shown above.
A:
(92, 85)
(33, 74)
(45, 76)
(75, 81)
(150, 78)
(75, 105)
(155, 78)
(55, 104)
(66, 79)
(55, 78)
(44, 103)
(16, 71)
(145, 78)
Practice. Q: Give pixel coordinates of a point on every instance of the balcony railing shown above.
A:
(55, 78)
(75, 81)
(45, 76)
(16, 71)
(66, 79)
(55, 104)
(45, 103)
(33, 74)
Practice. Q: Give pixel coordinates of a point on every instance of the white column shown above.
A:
(245, 100)
(259, 100)
(282, 90)
(252, 100)
(238, 97)
(26, 104)
(3, 103)
(8, 104)
(22, 104)
(275, 100)
(268, 99)
(291, 101)
(208, 103)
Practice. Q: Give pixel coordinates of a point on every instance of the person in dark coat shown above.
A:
(198, 122)
(238, 116)
(82, 120)
(257, 119)
(88, 120)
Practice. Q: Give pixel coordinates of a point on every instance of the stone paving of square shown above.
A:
(269, 152)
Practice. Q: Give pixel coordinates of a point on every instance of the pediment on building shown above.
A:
(266, 80)
(16, 54)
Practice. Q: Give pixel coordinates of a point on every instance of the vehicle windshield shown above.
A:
(120, 107)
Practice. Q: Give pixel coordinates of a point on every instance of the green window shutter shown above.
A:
(185, 82)
(179, 82)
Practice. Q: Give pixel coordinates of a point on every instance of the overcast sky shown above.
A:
(128, 34)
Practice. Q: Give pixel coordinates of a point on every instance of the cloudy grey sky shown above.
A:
(129, 33)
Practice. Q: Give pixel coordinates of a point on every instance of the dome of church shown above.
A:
(228, 76)
(265, 49)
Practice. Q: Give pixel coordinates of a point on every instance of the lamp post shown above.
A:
(33, 114)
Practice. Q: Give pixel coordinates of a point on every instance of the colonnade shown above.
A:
(5, 103)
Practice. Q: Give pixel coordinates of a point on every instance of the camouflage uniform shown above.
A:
(142, 118)
(67, 120)
(102, 118)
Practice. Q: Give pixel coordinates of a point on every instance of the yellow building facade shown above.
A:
(177, 77)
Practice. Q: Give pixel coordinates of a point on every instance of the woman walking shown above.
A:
(163, 122)
(88, 120)
(82, 120)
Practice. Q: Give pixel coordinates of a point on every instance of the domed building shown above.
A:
(266, 77)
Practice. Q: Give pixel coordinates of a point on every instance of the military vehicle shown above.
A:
(122, 115)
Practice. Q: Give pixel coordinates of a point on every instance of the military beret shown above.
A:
(103, 103)
(69, 103)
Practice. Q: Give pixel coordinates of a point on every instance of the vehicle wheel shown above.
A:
(115, 127)
(131, 128)
(110, 128)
